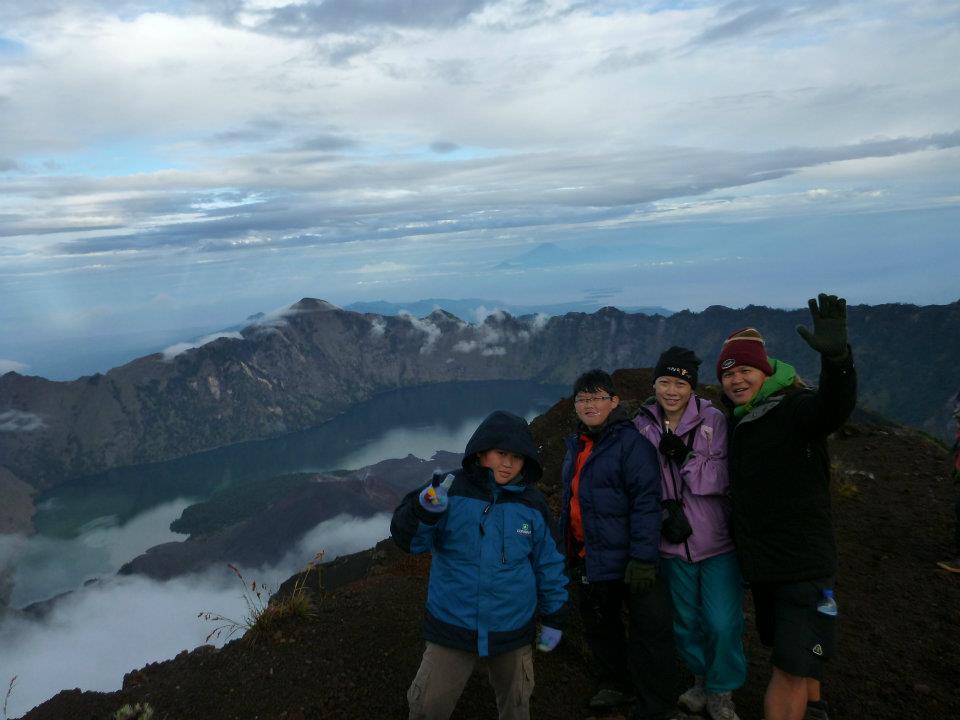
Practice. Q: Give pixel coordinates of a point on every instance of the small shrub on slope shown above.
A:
(134, 712)
(264, 611)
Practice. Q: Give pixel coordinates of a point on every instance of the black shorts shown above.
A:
(788, 621)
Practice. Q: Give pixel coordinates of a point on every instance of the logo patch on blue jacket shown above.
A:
(524, 529)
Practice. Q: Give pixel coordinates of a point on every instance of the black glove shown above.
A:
(829, 336)
(673, 447)
(639, 575)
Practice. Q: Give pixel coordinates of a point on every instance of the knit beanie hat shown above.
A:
(744, 347)
(678, 362)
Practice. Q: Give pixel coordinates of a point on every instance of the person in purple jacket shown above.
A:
(697, 556)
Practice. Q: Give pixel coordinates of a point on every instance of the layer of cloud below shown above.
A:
(102, 631)
(171, 352)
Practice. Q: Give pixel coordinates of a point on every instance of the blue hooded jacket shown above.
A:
(496, 563)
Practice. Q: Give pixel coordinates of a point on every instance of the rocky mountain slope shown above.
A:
(257, 523)
(297, 370)
(897, 655)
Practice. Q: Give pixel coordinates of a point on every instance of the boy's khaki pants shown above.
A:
(444, 672)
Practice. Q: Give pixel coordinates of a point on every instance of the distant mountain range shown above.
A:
(476, 309)
(309, 364)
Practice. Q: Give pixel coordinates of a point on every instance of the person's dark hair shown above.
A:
(594, 381)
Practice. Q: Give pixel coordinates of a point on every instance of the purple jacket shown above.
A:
(704, 477)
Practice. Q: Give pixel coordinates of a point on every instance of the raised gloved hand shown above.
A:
(673, 447)
(829, 336)
(548, 638)
(433, 498)
(640, 576)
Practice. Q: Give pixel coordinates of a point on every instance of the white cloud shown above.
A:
(493, 333)
(20, 421)
(378, 327)
(11, 366)
(102, 631)
(539, 322)
(482, 312)
(432, 332)
(171, 352)
(338, 536)
(275, 319)
(466, 346)
(46, 566)
(382, 268)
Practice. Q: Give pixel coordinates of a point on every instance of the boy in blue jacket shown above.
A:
(496, 567)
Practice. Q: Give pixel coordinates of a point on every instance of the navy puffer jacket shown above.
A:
(619, 496)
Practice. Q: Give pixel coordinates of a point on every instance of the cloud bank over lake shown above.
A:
(92, 637)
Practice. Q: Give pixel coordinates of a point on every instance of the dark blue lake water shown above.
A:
(92, 527)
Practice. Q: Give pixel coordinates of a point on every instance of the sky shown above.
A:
(169, 168)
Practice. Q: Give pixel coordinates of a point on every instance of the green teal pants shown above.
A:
(708, 619)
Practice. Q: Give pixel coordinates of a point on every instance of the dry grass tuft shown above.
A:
(265, 612)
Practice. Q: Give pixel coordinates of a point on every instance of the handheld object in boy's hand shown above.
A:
(437, 493)
(434, 496)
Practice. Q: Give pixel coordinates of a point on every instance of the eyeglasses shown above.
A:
(592, 400)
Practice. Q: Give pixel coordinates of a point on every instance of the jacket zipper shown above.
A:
(503, 542)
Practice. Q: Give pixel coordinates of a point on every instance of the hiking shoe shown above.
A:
(720, 707)
(950, 565)
(694, 699)
(816, 711)
(610, 697)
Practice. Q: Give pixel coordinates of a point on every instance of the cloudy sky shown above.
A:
(184, 163)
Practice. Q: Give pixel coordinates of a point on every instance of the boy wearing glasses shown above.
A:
(610, 526)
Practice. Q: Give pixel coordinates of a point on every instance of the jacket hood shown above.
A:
(505, 431)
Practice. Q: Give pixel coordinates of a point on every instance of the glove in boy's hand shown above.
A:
(829, 336)
(433, 498)
(548, 638)
(673, 447)
(640, 576)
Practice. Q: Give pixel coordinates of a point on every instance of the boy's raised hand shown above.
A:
(829, 336)
(433, 498)
(548, 638)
